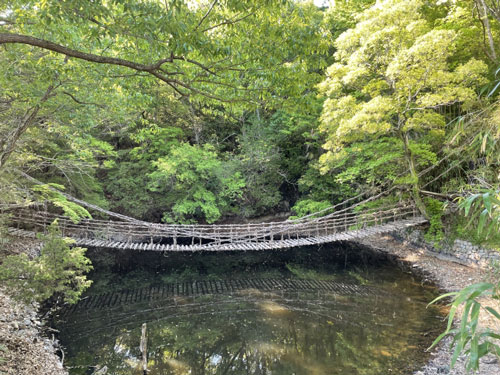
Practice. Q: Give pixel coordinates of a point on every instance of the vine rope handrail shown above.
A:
(340, 225)
(134, 220)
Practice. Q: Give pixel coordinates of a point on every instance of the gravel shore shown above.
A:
(24, 350)
(449, 275)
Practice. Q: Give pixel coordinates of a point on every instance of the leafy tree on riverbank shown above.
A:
(59, 271)
(394, 73)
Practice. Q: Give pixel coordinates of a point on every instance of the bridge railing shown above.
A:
(346, 220)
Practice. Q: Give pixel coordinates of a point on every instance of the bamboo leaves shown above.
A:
(484, 210)
(468, 339)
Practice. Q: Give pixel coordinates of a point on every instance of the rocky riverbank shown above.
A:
(23, 349)
(450, 274)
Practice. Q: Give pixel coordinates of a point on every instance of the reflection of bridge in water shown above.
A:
(342, 225)
(169, 292)
(336, 301)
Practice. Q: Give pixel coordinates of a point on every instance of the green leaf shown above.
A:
(493, 312)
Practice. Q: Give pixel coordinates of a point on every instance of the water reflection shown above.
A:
(250, 331)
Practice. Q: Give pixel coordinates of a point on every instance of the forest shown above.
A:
(186, 113)
(230, 111)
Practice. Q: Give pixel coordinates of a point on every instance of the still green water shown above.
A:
(333, 310)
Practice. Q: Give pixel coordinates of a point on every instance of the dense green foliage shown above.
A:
(208, 111)
(435, 210)
(59, 271)
(198, 112)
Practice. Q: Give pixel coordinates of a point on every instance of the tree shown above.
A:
(58, 272)
(211, 51)
(393, 75)
(82, 79)
(198, 185)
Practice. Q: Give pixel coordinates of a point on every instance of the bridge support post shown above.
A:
(175, 237)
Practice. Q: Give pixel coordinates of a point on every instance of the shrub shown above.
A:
(58, 272)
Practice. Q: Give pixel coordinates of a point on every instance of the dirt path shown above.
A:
(449, 276)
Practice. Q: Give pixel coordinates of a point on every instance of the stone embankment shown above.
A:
(459, 250)
(452, 268)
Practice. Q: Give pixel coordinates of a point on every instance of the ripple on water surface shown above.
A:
(361, 318)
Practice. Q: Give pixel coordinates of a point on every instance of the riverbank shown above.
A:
(25, 350)
(450, 274)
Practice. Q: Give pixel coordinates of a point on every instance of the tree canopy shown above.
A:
(197, 111)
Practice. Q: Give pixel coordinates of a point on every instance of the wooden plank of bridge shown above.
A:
(266, 241)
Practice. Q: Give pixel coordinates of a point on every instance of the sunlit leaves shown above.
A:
(467, 337)
(50, 193)
(484, 211)
(393, 73)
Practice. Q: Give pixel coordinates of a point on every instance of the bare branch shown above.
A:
(207, 69)
(8, 144)
(228, 22)
(206, 15)
(153, 69)
(82, 102)
(6, 38)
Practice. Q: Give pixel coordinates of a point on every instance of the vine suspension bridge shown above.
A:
(127, 233)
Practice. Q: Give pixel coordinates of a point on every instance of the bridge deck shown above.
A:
(261, 244)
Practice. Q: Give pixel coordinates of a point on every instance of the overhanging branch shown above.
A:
(154, 69)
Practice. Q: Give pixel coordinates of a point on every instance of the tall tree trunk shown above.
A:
(8, 145)
(415, 189)
(483, 17)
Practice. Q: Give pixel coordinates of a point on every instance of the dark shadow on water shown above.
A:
(337, 309)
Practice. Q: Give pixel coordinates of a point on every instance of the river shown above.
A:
(336, 309)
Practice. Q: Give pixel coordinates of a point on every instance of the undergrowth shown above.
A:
(435, 210)
(459, 228)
